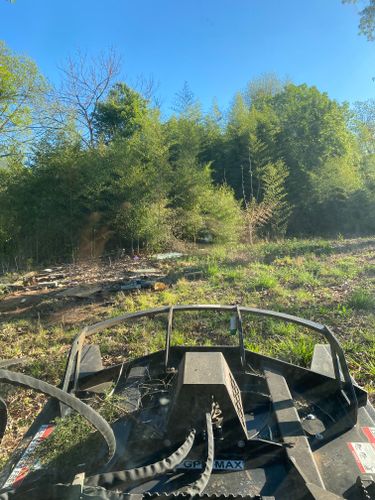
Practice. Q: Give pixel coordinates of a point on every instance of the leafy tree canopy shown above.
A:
(121, 113)
(367, 19)
(22, 89)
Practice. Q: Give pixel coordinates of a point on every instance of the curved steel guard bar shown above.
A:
(337, 354)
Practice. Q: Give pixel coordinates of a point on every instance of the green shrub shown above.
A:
(222, 220)
(144, 225)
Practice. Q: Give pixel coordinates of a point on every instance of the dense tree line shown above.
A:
(92, 166)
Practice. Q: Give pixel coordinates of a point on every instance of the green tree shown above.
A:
(313, 130)
(202, 210)
(120, 114)
(212, 140)
(274, 176)
(222, 218)
(184, 130)
(190, 184)
(185, 103)
(249, 144)
(269, 212)
(132, 183)
(367, 19)
(144, 224)
(22, 90)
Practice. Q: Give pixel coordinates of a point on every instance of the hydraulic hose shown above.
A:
(200, 484)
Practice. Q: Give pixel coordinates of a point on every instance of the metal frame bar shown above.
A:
(338, 358)
(168, 337)
(240, 337)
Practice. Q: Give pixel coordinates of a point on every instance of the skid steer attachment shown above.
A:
(202, 422)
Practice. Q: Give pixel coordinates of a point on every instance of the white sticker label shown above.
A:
(364, 454)
(369, 432)
(218, 464)
(26, 464)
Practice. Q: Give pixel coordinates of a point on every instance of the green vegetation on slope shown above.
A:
(93, 169)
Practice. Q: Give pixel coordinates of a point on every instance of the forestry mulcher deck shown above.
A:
(203, 422)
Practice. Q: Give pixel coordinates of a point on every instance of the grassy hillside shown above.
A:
(332, 282)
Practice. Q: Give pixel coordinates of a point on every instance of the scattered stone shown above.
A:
(44, 284)
(80, 292)
(168, 255)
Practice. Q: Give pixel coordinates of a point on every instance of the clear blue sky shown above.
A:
(215, 45)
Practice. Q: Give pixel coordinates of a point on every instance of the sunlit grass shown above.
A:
(298, 350)
(263, 281)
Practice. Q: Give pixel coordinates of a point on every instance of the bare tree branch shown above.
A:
(148, 87)
(85, 83)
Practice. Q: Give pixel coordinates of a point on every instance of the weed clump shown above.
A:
(264, 282)
(362, 300)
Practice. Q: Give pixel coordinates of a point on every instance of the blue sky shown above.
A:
(215, 45)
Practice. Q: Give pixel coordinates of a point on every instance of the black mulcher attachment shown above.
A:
(202, 422)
